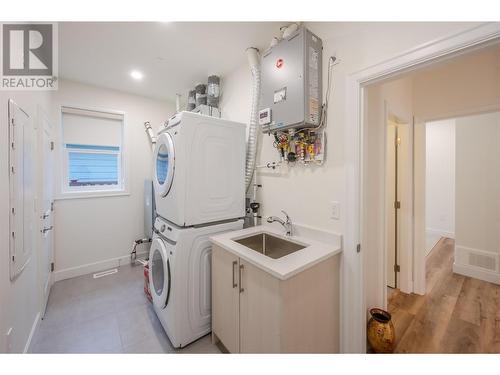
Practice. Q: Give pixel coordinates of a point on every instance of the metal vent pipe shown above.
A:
(254, 62)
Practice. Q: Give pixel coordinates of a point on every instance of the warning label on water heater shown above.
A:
(280, 95)
(313, 85)
(313, 110)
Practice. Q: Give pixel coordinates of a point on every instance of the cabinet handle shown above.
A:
(234, 277)
(241, 283)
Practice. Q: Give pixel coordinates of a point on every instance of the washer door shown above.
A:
(164, 164)
(159, 273)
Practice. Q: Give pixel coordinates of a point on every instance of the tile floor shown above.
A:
(106, 315)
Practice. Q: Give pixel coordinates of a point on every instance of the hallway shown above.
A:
(458, 314)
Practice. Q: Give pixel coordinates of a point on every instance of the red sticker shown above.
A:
(279, 63)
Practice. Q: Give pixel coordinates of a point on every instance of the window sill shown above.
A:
(92, 194)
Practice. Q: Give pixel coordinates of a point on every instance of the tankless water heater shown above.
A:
(291, 95)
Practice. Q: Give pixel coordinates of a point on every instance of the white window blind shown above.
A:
(92, 127)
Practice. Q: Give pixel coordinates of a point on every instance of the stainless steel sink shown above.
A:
(269, 245)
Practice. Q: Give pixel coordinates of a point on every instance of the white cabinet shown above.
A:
(255, 312)
(225, 298)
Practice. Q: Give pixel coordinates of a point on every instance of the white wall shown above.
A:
(19, 299)
(440, 179)
(96, 233)
(477, 187)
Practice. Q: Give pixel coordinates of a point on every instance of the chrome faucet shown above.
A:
(286, 224)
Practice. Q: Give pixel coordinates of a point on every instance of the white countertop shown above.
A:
(320, 245)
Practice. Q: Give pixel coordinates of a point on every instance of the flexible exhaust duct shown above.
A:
(254, 62)
(150, 132)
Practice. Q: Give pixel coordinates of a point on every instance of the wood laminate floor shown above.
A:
(458, 314)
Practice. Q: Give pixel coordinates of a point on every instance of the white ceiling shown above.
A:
(172, 56)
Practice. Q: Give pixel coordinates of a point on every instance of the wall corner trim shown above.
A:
(36, 322)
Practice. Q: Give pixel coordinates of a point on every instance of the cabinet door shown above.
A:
(259, 310)
(225, 298)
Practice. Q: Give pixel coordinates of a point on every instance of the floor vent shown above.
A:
(484, 261)
(105, 273)
(142, 261)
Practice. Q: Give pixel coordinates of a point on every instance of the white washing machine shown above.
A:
(180, 278)
(199, 170)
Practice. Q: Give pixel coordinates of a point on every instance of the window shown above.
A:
(93, 165)
(93, 152)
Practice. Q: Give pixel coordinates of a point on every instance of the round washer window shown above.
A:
(158, 272)
(162, 164)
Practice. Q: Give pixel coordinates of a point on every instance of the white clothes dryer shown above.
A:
(180, 278)
(199, 170)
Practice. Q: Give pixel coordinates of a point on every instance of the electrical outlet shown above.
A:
(335, 210)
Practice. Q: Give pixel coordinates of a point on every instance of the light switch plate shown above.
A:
(335, 210)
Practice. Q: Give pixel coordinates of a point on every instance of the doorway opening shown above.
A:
(419, 172)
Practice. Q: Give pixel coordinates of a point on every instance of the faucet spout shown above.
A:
(287, 223)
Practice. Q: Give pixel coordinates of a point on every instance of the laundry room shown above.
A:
(199, 185)
(147, 189)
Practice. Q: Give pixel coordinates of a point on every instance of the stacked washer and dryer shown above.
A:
(199, 187)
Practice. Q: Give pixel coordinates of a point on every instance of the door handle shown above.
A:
(235, 284)
(45, 230)
(241, 283)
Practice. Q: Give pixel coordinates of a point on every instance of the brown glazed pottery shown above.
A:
(380, 331)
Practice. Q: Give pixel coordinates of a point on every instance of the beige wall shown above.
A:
(459, 87)
(478, 182)
(440, 178)
(100, 230)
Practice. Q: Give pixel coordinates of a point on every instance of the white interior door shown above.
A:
(22, 187)
(399, 206)
(46, 207)
(391, 212)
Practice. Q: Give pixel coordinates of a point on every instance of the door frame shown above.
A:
(404, 257)
(41, 118)
(353, 311)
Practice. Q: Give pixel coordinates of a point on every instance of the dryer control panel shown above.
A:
(166, 229)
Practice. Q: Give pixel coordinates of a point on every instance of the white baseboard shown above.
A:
(440, 232)
(477, 273)
(102, 265)
(32, 332)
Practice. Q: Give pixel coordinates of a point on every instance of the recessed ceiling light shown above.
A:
(137, 75)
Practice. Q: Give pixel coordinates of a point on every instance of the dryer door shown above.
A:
(164, 164)
(159, 273)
